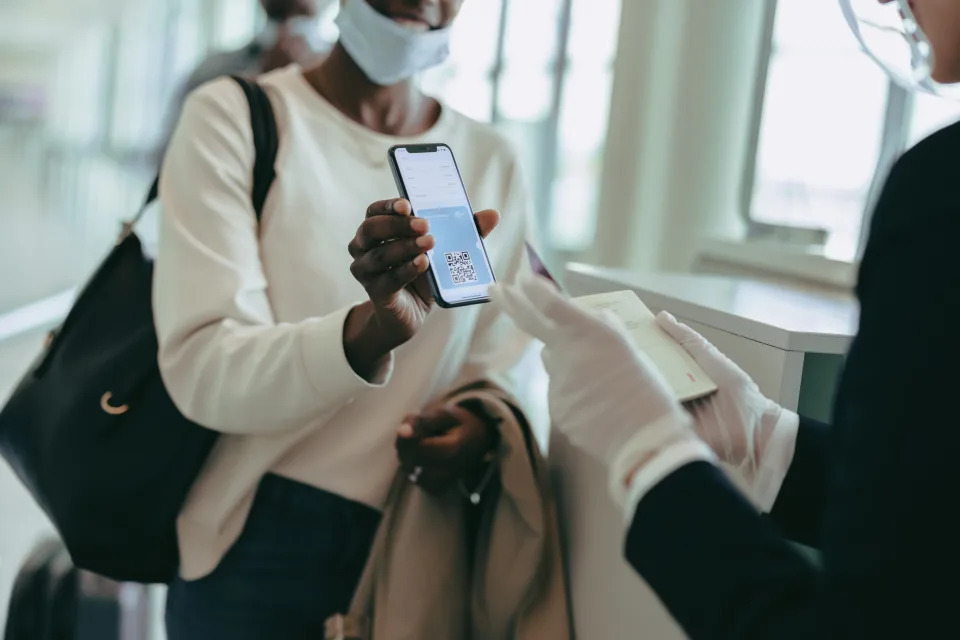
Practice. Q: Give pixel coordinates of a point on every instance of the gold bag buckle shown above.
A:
(110, 409)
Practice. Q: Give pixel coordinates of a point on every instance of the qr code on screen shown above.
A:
(460, 266)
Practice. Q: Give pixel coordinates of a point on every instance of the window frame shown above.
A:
(545, 153)
(546, 156)
(893, 140)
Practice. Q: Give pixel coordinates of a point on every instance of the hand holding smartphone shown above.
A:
(427, 176)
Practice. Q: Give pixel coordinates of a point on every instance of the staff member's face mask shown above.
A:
(387, 51)
(917, 42)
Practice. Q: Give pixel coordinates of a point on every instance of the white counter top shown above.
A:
(792, 318)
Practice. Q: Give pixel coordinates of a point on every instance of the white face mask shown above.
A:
(388, 52)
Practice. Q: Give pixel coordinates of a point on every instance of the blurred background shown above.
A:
(86, 90)
(721, 136)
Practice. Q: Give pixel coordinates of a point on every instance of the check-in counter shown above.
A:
(790, 340)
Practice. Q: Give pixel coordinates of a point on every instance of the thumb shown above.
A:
(694, 343)
(433, 421)
(487, 221)
(717, 365)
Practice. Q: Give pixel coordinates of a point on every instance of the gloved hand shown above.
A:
(752, 435)
(605, 395)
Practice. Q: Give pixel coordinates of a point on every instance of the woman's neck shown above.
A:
(398, 110)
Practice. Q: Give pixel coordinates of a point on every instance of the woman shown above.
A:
(316, 377)
(876, 492)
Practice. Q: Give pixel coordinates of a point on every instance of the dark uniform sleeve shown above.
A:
(799, 507)
(890, 536)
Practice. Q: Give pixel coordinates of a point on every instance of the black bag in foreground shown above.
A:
(91, 430)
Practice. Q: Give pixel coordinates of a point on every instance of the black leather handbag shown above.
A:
(90, 429)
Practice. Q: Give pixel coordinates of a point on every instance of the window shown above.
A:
(831, 124)
(139, 94)
(541, 70)
(235, 23)
(86, 164)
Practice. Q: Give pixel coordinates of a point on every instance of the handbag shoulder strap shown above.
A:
(266, 142)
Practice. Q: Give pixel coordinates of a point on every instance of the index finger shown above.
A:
(397, 206)
(433, 450)
(434, 421)
(378, 229)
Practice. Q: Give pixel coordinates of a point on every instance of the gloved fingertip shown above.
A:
(680, 332)
(671, 325)
(665, 318)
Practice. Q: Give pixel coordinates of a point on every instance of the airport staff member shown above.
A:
(877, 493)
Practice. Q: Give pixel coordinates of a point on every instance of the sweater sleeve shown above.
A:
(227, 364)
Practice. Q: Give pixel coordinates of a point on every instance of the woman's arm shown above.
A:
(226, 362)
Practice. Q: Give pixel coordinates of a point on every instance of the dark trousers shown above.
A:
(297, 561)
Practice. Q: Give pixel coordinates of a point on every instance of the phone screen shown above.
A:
(461, 270)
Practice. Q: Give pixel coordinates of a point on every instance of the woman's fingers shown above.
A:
(375, 231)
(391, 206)
(436, 451)
(384, 286)
(389, 220)
(389, 256)
(389, 249)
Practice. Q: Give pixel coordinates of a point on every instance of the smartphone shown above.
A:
(427, 176)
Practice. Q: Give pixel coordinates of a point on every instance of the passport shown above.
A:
(685, 377)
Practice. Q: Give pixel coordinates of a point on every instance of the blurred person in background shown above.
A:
(875, 491)
(312, 342)
(291, 35)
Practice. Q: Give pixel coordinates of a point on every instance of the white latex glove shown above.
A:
(751, 434)
(605, 395)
